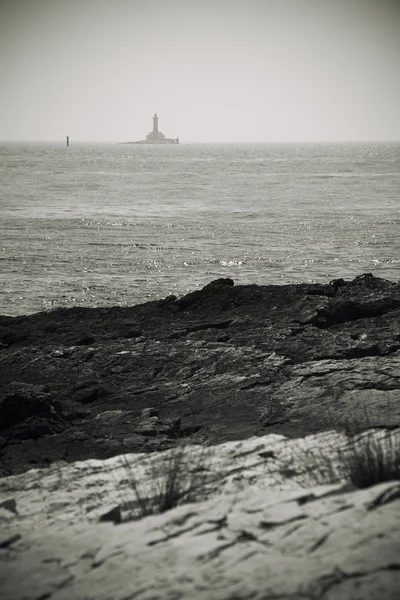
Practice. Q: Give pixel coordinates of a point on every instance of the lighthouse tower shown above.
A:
(155, 124)
(155, 135)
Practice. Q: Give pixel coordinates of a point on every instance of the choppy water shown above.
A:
(118, 224)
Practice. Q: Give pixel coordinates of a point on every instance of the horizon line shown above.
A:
(327, 141)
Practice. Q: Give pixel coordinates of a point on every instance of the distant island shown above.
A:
(155, 136)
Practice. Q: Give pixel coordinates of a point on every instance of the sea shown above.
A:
(119, 224)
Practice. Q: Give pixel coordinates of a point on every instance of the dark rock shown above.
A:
(350, 310)
(29, 402)
(89, 391)
(34, 428)
(10, 504)
(221, 281)
(9, 540)
(73, 412)
(337, 283)
(104, 447)
(173, 426)
(85, 340)
(150, 424)
(86, 396)
(221, 363)
(189, 430)
(209, 291)
(113, 515)
(149, 412)
(168, 300)
(157, 444)
(79, 435)
(19, 386)
(9, 337)
(134, 443)
(267, 454)
(133, 333)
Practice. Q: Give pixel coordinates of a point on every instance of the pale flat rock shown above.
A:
(256, 535)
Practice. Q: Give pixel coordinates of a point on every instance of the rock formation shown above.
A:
(264, 383)
(222, 363)
(262, 532)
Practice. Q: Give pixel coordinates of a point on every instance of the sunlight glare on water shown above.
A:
(117, 224)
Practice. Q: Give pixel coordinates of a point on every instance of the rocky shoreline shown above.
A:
(223, 363)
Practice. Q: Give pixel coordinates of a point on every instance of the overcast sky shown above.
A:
(213, 70)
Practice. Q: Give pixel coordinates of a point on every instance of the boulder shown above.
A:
(150, 424)
(26, 402)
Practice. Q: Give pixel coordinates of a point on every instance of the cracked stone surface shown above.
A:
(222, 363)
(256, 533)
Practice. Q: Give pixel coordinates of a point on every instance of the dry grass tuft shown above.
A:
(180, 478)
(365, 459)
(372, 459)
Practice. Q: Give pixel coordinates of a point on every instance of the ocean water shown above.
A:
(110, 224)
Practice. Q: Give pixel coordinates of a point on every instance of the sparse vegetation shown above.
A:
(372, 458)
(180, 478)
(369, 455)
(373, 453)
(366, 459)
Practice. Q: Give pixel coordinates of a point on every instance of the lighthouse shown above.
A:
(156, 136)
(155, 125)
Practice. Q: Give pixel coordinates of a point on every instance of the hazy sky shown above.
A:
(213, 70)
